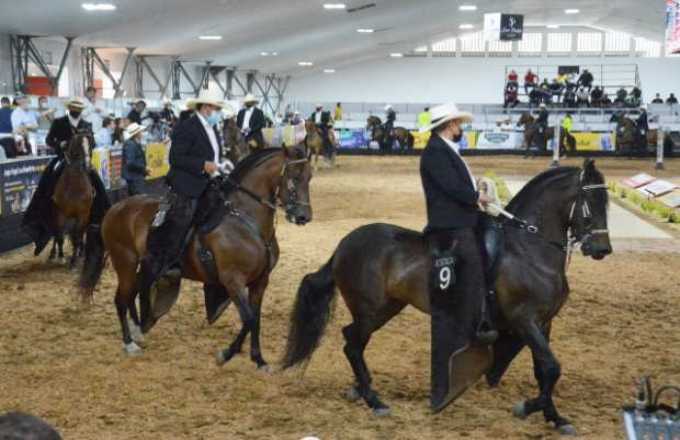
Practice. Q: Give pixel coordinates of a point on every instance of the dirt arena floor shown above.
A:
(66, 364)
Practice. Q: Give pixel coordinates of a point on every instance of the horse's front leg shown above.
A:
(256, 296)
(239, 296)
(547, 371)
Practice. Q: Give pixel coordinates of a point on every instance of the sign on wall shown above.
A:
(673, 26)
(19, 180)
(503, 27)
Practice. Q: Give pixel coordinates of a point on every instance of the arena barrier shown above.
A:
(19, 179)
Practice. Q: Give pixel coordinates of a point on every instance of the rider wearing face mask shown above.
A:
(195, 152)
(36, 220)
(251, 121)
(457, 286)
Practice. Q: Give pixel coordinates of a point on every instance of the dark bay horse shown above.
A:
(315, 144)
(244, 244)
(236, 145)
(375, 126)
(531, 133)
(380, 269)
(73, 197)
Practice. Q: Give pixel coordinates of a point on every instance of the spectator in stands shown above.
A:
(135, 114)
(658, 99)
(606, 102)
(168, 113)
(634, 98)
(585, 80)
(596, 97)
(556, 89)
(546, 93)
(530, 81)
(510, 98)
(642, 122)
(621, 96)
(134, 160)
(118, 131)
(104, 136)
(569, 99)
(582, 97)
(296, 120)
(672, 100)
(45, 114)
(94, 111)
(338, 112)
(512, 76)
(535, 97)
(23, 118)
(5, 115)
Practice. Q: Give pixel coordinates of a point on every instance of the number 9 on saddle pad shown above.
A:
(443, 275)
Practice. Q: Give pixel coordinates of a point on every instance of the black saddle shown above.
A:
(492, 234)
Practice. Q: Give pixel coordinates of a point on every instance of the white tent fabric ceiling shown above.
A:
(301, 30)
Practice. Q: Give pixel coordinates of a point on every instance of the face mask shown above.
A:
(74, 114)
(457, 138)
(213, 119)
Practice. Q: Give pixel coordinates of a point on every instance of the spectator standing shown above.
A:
(94, 111)
(168, 114)
(582, 97)
(45, 114)
(424, 118)
(672, 100)
(530, 81)
(338, 112)
(134, 160)
(136, 113)
(5, 116)
(658, 99)
(118, 131)
(104, 136)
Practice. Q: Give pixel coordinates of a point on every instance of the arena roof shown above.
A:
(302, 30)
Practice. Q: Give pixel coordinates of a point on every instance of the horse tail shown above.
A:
(311, 314)
(93, 266)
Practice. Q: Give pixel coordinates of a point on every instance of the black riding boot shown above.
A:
(36, 222)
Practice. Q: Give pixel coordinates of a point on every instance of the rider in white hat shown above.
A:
(134, 169)
(251, 121)
(458, 283)
(388, 128)
(195, 154)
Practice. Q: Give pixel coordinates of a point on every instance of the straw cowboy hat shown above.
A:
(228, 111)
(445, 113)
(250, 98)
(74, 103)
(388, 107)
(132, 130)
(210, 97)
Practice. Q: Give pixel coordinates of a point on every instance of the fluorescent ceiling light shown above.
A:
(275, 54)
(466, 26)
(365, 31)
(396, 55)
(210, 37)
(571, 11)
(305, 63)
(467, 8)
(328, 70)
(264, 54)
(553, 26)
(334, 6)
(98, 7)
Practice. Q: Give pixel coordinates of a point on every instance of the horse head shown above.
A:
(293, 191)
(589, 213)
(78, 151)
(525, 120)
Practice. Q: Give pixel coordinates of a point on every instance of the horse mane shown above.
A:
(74, 150)
(551, 178)
(251, 161)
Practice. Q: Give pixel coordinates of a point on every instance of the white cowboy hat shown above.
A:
(210, 97)
(250, 98)
(445, 113)
(228, 111)
(388, 107)
(133, 129)
(542, 105)
(74, 103)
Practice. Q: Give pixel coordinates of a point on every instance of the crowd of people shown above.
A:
(570, 91)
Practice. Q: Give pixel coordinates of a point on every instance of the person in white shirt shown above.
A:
(93, 111)
(23, 118)
(104, 136)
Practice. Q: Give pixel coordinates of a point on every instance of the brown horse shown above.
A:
(629, 137)
(244, 245)
(380, 269)
(531, 133)
(315, 144)
(403, 136)
(73, 197)
(234, 142)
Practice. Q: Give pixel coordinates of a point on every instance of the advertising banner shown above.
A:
(116, 167)
(19, 180)
(157, 160)
(352, 139)
(101, 163)
(503, 140)
(587, 141)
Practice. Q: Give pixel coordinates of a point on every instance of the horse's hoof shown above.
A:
(132, 349)
(567, 429)
(382, 412)
(520, 410)
(352, 394)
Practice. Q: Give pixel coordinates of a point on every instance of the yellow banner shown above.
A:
(289, 135)
(157, 160)
(586, 141)
(268, 134)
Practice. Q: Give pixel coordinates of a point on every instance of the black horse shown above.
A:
(380, 269)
